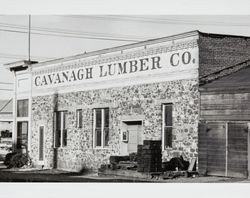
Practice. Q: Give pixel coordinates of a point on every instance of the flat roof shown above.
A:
(231, 78)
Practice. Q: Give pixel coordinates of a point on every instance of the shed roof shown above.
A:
(232, 78)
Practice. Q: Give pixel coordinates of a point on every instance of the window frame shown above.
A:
(63, 128)
(102, 146)
(164, 125)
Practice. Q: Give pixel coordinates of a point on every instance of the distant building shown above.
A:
(6, 114)
(75, 112)
(6, 126)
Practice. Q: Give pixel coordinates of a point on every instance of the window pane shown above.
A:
(168, 115)
(57, 128)
(168, 136)
(106, 136)
(41, 142)
(22, 108)
(64, 117)
(98, 118)
(98, 139)
(58, 120)
(25, 108)
(79, 118)
(106, 117)
(60, 128)
(19, 135)
(58, 138)
(64, 137)
(22, 135)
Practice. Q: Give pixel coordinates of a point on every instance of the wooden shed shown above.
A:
(224, 123)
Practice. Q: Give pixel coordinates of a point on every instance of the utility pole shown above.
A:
(29, 38)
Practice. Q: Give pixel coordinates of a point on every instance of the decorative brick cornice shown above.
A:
(72, 64)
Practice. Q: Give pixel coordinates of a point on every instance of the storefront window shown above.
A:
(167, 111)
(101, 127)
(79, 118)
(60, 128)
(22, 108)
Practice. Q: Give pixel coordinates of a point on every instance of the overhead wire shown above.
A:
(14, 56)
(18, 56)
(67, 31)
(71, 36)
(156, 20)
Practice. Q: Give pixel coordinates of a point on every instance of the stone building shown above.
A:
(73, 113)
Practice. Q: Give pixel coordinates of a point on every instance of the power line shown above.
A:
(71, 33)
(67, 31)
(158, 20)
(29, 38)
(18, 56)
(71, 36)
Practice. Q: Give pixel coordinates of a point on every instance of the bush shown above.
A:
(8, 156)
(16, 160)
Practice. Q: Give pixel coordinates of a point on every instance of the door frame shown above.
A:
(248, 150)
(123, 121)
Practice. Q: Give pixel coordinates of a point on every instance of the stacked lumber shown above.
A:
(149, 157)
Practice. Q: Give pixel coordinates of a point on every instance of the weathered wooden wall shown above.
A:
(225, 106)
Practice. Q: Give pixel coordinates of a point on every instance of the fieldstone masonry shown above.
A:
(134, 100)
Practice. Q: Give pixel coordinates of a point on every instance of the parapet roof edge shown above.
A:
(118, 48)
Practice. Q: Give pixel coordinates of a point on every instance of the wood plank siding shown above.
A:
(237, 149)
(231, 106)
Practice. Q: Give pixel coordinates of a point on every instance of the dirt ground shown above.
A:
(35, 175)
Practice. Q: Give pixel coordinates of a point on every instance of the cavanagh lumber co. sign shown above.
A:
(168, 62)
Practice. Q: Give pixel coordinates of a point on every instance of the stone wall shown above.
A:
(217, 52)
(138, 100)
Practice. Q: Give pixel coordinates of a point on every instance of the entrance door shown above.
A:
(237, 150)
(223, 149)
(134, 129)
(22, 135)
(216, 148)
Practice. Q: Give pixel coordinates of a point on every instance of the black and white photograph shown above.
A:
(125, 98)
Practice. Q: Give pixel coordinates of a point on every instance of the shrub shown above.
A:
(8, 156)
(16, 160)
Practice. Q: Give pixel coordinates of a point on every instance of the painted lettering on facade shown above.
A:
(164, 62)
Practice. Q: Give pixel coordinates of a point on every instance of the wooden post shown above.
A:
(226, 128)
(248, 152)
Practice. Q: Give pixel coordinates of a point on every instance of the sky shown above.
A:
(55, 36)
